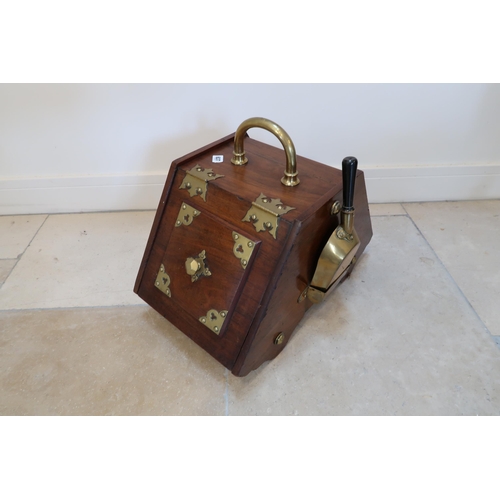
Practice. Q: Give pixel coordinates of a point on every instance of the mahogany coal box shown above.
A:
(247, 237)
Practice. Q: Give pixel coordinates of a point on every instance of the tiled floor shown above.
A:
(415, 331)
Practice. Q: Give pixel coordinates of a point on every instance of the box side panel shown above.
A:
(284, 310)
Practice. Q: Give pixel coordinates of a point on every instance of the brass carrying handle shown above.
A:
(239, 158)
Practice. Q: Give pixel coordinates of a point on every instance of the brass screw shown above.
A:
(279, 338)
(335, 208)
(157, 283)
(178, 223)
(268, 225)
(216, 329)
(199, 191)
(196, 212)
(223, 314)
(244, 262)
(254, 217)
(303, 295)
(236, 236)
(203, 320)
(250, 244)
(188, 185)
(199, 169)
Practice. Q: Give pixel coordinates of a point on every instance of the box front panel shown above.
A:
(207, 269)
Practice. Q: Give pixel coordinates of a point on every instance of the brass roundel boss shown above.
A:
(239, 158)
(196, 267)
(279, 338)
(192, 266)
(336, 208)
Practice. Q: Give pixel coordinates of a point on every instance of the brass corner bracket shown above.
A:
(186, 215)
(265, 213)
(162, 281)
(214, 320)
(242, 249)
(196, 181)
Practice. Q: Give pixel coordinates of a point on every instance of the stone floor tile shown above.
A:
(104, 361)
(397, 338)
(6, 266)
(16, 232)
(377, 209)
(80, 260)
(466, 237)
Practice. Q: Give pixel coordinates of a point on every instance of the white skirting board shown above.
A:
(142, 191)
(98, 193)
(432, 183)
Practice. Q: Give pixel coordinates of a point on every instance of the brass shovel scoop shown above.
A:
(339, 251)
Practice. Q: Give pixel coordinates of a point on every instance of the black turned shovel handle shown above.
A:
(349, 167)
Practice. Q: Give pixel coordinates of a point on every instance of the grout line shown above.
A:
(20, 256)
(389, 215)
(85, 212)
(34, 236)
(226, 393)
(493, 337)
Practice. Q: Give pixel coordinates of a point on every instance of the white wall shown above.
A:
(73, 147)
